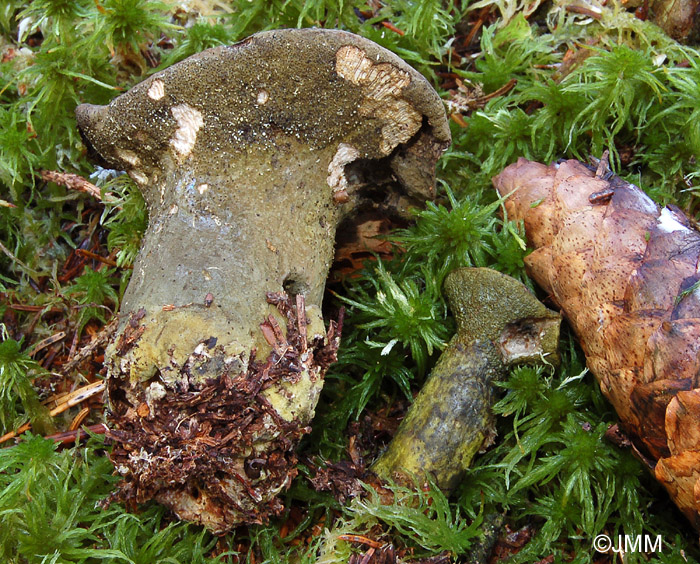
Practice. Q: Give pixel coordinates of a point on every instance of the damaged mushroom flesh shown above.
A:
(249, 158)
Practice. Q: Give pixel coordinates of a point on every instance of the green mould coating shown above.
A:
(249, 158)
(499, 323)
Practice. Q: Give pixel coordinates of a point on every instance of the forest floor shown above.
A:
(539, 80)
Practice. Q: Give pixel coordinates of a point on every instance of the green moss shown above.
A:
(130, 23)
(448, 238)
(422, 518)
(49, 512)
(16, 371)
(18, 158)
(93, 291)
(126, 218)
(408, 314)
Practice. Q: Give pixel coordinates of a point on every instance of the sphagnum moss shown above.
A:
(57, 54)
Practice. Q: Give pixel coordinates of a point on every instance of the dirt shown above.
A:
(202, 439)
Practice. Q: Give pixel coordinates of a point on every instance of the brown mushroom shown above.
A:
(249, 157)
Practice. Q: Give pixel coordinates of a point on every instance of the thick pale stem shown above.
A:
(210, 236)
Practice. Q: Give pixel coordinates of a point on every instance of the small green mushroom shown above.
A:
(249, 158)
(499, 324)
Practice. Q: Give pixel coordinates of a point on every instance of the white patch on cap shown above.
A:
(202, 188)
(138, 176)
(382, 85)
(642, 202)
(128, 156)
(189, 120)
(263, 97)
(157, 90)
(336, 168)
(668, 223)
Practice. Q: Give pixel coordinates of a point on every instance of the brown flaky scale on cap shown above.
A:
(625, 273)
(249, 157)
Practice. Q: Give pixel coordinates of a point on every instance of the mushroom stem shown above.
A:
(499, 323)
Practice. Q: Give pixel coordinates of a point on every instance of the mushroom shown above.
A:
(249, 157)
(500, 323)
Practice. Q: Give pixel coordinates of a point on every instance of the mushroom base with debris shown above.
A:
(217, 451)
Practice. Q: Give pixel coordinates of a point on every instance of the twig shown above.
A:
(78, 419)
(95, 256)
(361, 539)
(48, 341)
(459, 102)
(74, 343)
(71, 181)
(573, 9)
(42, 309)
(458, 119)
(481, 19)
(13, 434)
(390, 26)
(66, 402)
(102, 337)
(70, 397)
(499, 92)
(71, 436)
